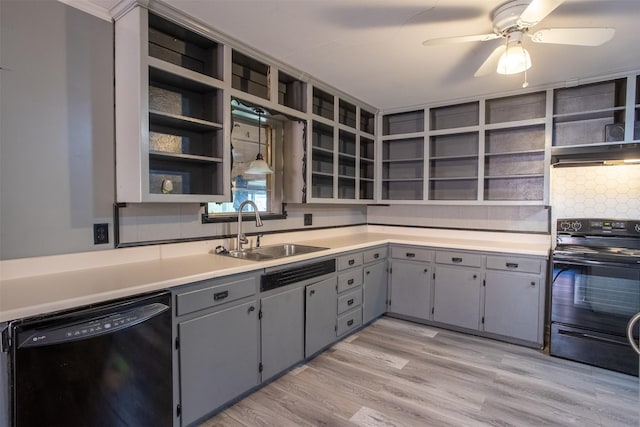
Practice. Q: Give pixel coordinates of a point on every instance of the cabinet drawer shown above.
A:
(349, 261)
(374, 255)
(349, 280)
(413, 254)
(349, 301)
(459, 258)
(523, 265)
(349, 321)
(211, 296)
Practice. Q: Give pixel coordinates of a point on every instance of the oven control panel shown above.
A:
(598, 227)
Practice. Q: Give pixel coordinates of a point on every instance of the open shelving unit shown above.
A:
(342, 150)
(589, 114)
(487, 151)
(514, 148)
(403, 155)
(453, 152)
(175, 148)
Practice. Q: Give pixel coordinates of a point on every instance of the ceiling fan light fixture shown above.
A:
(514, 60)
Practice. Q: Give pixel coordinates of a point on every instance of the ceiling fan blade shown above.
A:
(537, 11)
(574, 36)
(490, 65)
(461, 39)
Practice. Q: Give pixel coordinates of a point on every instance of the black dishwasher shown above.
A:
(104, 365)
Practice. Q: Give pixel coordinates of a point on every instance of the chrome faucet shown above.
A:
(242, 239)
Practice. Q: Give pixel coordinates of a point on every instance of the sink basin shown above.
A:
(274, 252)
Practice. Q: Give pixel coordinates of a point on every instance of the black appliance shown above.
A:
(107, 365)
(595, 291)
(595, 154)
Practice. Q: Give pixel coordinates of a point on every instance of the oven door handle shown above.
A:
(630, 326)
(590, 262)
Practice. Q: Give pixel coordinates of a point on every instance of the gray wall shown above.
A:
(56, 128)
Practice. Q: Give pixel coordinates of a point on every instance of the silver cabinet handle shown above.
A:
(630, 326)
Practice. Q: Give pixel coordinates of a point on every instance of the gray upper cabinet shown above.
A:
(219, 359)
(488, 151)
(282, 331)
(342, 150)
(320, 320)
(170, 112)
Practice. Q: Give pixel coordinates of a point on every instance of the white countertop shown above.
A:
(51, 290)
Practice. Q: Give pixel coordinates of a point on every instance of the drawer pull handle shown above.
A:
(456, 259)
(350, 282)
(410, 255)
(220, 295)
(350, 322)
(350, 302)
(533, 283)
(368, 272)
(252, 308)
(512, 265)
(376, 256)
(311, 292)
(352, 261)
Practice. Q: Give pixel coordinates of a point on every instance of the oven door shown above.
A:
(591, 303)
(594, 295)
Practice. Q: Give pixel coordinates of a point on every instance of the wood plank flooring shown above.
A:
(396, 373)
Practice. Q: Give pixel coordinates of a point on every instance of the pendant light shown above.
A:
(259, 166)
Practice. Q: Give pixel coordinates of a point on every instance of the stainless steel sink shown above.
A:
(274, 252)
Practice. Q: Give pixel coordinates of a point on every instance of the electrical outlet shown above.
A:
(308, 219)
(100, 234)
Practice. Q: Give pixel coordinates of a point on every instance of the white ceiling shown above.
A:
(372, 49)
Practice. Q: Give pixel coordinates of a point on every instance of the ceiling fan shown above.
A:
(514, 20)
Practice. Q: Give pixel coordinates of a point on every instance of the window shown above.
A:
(265, 190)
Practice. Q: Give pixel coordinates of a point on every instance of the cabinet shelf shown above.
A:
(183, 157)
(587, 115)
(409, 159)
(323, 174)
(454, 178)
(515, 176)
(182, 122)
(177, 76)
(514, 153)
(462, 157)
(515, 124)
(402, 180)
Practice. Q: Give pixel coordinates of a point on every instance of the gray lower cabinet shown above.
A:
(512, 305)
(320, 319)
(456, 299)
(219, 359)
(282, 331)
(374, 291)
(411, 288)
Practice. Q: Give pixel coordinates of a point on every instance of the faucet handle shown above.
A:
(258, 240)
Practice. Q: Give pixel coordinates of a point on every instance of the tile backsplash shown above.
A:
(596, 192)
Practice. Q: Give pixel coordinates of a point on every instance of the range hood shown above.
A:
(596, 155)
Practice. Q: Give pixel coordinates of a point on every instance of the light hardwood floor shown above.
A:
(396, 373)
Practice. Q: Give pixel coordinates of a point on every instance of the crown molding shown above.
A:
(90, 8)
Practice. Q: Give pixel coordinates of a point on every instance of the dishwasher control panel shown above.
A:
(99, 326)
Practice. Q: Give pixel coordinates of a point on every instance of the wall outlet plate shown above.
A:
(100, 234)
(308, 219)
